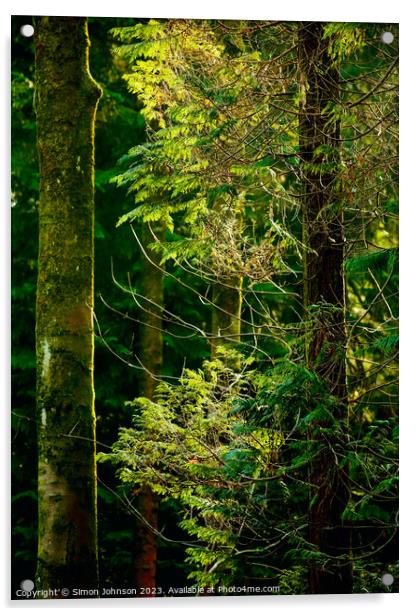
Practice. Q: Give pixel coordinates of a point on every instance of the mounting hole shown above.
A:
(27, 585)
(387, 579)
(27, 30)
(387, 37)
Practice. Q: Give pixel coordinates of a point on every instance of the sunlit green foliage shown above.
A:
(221, 170)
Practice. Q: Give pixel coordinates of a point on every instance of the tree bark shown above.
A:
(324, 299)
(226, 314)
(66, 98)
(150, 351)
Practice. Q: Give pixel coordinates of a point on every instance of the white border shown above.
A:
(382, 10)
(350, 10)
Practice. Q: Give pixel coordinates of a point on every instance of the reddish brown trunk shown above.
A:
(150, 353)
(146, 541)
(324, 297)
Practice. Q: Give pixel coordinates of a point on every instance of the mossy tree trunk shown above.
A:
(66, 98)
(324, 298)
(150, 353)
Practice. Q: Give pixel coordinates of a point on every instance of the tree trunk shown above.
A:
(150, 351)
(324, 298)
(65, 100)
(226, 313)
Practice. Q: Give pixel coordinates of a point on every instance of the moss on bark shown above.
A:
(66, 97)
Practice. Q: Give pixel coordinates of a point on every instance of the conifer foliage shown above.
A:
(272, 160)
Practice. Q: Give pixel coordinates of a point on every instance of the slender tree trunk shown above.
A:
(150, 351)
(66, 101)
(324, 298)
(226, 314)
